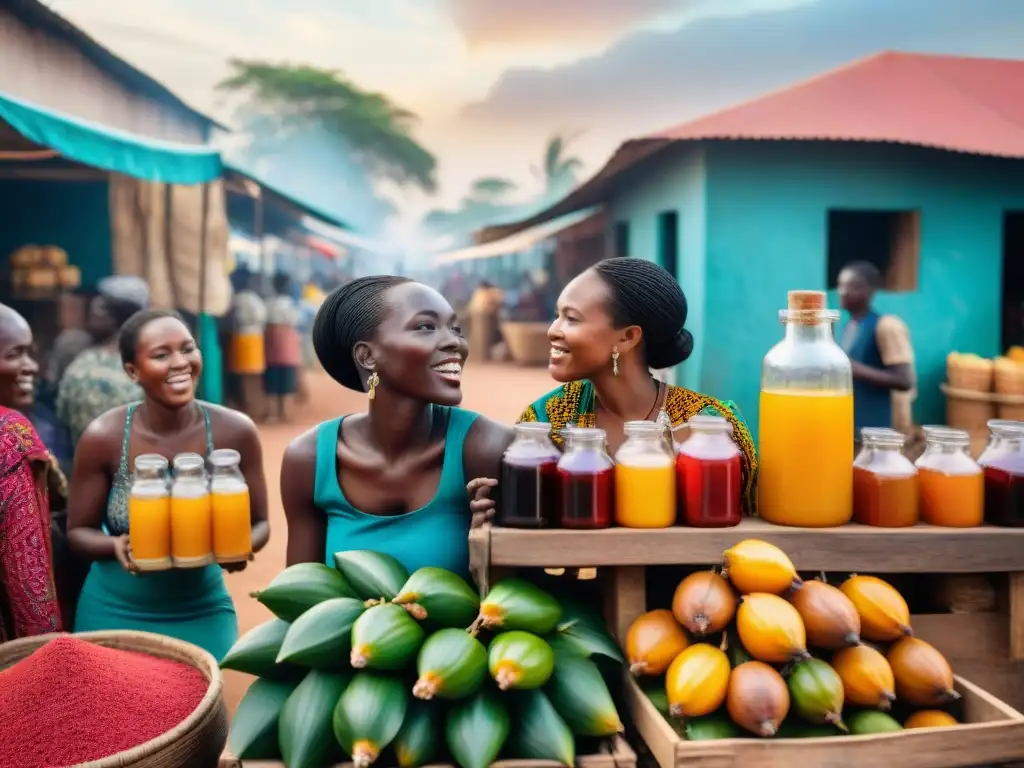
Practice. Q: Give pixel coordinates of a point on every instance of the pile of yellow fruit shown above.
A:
(734, 653)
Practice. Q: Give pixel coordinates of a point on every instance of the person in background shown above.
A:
(391, 478)
(283, 344)
(190, 604)
(96, 380)
(880, 351)
(483, 309)
(247, 361)
(615, 322)
(29, 603)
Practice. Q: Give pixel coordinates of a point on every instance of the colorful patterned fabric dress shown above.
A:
(575, 403)
(28, 598)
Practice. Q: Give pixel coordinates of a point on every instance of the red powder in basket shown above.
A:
(73, 701)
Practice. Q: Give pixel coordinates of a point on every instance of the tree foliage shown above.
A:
(286, 101)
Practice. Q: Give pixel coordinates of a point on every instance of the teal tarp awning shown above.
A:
(109, 148)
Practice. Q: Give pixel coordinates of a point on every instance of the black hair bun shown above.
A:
(672, 353)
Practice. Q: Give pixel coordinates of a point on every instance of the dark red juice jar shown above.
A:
(586, 477)
(1003, 465)
(529, 479)
(709, 477)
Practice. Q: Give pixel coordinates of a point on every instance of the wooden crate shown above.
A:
(618, 755)
(994, 733)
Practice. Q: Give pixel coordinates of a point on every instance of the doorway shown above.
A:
(1013, 279)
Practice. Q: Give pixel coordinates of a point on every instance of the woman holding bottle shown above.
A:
(615, 322)
(392, 478)
(191, 604)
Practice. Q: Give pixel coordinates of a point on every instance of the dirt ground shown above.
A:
(497, 391)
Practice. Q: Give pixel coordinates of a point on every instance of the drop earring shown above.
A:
(615, 361)
(371, 385)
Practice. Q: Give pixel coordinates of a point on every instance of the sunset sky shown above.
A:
(492, 79)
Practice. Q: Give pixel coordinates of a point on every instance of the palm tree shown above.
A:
(558, 172)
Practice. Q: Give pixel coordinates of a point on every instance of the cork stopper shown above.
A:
(807, 300)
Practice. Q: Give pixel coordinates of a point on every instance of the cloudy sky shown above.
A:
(492, 79)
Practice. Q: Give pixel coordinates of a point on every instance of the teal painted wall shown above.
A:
(766, 234)
(672, 181)
(74, 215)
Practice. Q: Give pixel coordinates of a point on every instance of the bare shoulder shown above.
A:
(301, 451)
(234, 425)
(101, 441)
(485, 431)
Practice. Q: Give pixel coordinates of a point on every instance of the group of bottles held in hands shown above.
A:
(807, 476)
(187, 517)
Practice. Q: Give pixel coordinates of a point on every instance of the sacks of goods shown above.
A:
(366, 658)
(755, 651)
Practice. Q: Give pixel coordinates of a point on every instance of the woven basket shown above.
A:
(1009, 377)
(969, 373)
(968, 409)
(196, 742)
(527, 342)
(967, 593)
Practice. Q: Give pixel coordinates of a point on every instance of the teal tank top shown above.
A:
(436, 534)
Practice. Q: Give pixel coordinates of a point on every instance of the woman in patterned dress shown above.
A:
(615, 323)
(28, 596)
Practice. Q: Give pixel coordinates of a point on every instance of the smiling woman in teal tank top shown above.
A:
(391, 479)
(160, 354)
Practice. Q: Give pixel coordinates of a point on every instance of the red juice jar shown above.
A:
(586, 481)
(886, 489)
(529, 479)
(709, 477)
(1003, 465)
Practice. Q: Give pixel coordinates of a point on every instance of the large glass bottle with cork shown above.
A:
(805, 429)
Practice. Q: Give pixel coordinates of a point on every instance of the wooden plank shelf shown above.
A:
(852, 547)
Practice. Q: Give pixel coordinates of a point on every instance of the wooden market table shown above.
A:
(982, 647)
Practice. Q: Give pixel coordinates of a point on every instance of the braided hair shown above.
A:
(646, 295)
(128, 337)
(350, 314)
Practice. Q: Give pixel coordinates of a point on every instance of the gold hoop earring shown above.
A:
(371, 385)
(615, 361)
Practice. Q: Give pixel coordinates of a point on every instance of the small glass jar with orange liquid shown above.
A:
(951, 482)
(229, 501)
(1003, 465)
(191, 513)
(805, 427)
(709, 474)
(149, 514)
(645, 478)
(885, 484)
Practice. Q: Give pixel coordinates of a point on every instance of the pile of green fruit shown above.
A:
(365, 657)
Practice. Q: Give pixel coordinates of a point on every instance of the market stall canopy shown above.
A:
(518, 242)
(107, 148)
(244, 183)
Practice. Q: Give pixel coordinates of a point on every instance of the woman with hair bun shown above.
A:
(614, 323)
(392, 479)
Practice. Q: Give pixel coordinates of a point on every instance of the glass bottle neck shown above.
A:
(803, 333)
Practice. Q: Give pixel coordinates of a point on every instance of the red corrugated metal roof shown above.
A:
(947, 102)
(953, 103)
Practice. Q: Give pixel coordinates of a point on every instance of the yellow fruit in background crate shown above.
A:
(697, 681)
(770, 629)
(757, 566)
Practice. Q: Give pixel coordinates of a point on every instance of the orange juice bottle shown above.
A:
(191, 515)
(229, 497)
(149, 514)
(645, 478)
(805, 428)
(952, 483)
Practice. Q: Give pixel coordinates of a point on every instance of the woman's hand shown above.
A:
(480, 502)
(123, 553)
